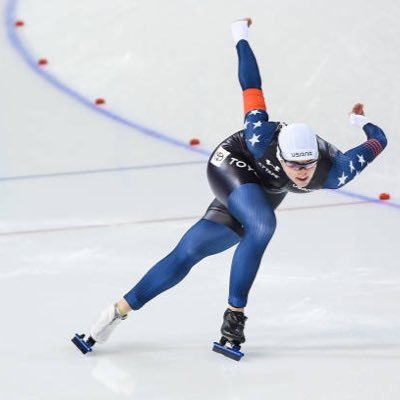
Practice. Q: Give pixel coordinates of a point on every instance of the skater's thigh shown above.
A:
(208, 237)
(252, 207)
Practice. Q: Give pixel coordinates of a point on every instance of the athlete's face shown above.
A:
(300, 173)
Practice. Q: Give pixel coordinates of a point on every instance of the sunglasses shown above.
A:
(297, 166)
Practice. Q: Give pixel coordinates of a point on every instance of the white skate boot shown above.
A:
(107, 322)
(100, 330)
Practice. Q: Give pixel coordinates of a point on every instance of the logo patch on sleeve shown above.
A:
(219, 156)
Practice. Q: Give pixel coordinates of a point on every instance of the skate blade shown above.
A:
(234, 353)
(80, 343)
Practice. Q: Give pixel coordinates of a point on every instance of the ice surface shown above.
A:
(88, 203)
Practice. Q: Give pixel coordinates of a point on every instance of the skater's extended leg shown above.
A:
(203, 239)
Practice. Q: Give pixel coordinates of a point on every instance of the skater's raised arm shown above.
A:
(249, 74)
(347, 165)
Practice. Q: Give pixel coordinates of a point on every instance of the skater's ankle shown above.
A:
(235, 308)
(123, 307)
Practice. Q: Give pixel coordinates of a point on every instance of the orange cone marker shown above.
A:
(100, 101)
(194, 142)
(42, 61)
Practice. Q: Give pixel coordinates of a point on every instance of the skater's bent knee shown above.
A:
(262, 231)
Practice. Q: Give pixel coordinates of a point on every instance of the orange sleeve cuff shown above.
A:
(253, 99)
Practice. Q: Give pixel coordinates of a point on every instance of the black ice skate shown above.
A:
(232, 333)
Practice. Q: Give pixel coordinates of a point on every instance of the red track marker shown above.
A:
(194, 142)
(42, 61)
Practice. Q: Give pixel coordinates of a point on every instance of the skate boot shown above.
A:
(232, 334)
(100, 330)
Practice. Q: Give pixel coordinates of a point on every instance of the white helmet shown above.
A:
(297, 142)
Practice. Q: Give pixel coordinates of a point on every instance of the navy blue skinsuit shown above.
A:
(249, 184)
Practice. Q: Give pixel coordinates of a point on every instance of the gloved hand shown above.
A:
(240, 29)
(357, 116)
